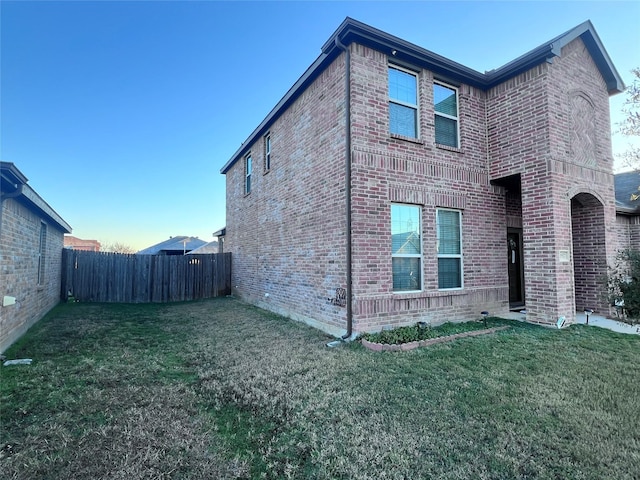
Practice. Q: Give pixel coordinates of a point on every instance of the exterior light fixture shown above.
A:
(587, 312)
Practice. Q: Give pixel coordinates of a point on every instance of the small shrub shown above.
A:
(415, 333)
(623, 282)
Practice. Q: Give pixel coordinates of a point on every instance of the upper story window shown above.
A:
(42, 253)
(403, 102)
(449, 247)
(247, 174)
(445, 100)
(406, 248)
(267, 152)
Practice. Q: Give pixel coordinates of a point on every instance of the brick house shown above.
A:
(75, 243)
(627, 210)
(425, 189)
(31, 242)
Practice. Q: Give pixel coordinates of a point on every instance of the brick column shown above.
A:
(546, 222)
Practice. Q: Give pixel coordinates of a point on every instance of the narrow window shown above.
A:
(42, 253)
(247, 174)
(267, 152)
(445, 101)
(449, 246)
(403, 102)
(406, 248)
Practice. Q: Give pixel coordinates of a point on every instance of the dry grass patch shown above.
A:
(219, 389)
(107, 396)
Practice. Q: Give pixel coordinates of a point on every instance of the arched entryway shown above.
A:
(589, 251)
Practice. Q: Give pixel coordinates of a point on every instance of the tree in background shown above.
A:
(117, 247)
(631, 125)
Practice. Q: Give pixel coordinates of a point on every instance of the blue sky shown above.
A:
(121, 114)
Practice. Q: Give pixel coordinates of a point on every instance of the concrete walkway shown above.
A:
(602, 322)
(595, 321)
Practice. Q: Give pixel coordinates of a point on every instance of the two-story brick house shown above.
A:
(427, 190)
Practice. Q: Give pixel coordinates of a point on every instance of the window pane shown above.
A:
(402, 86)
(446, 131)
(42, 251)
(405, 230)
(406, 274)
(402, 120)
(448, 232)
(247, 185)
(444, 100)
(449, 273)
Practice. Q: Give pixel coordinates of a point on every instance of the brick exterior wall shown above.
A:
(535, 130)
(288, 235)
(627, 231)
(634, 231)
(390, 169)
(76, 243)
(19, 247)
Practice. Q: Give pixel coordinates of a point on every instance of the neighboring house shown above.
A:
(75, 243)
(31, 242)
(504, 178)
(627, 210)
(211, 247)
(180, 245)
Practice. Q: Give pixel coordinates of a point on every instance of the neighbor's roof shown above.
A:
(626, 184)
(13, 184)
(211, 247)
(174, 244)
(354, 31)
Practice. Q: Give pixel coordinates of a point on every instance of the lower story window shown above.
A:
(406, 247)
(449, 246)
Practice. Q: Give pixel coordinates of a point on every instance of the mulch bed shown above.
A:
(385, 347)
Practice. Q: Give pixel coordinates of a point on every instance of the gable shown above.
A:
(353, 31)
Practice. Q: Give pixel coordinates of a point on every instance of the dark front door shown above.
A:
(516, 270)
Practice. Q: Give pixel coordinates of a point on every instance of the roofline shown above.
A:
(632, 212)
(12, 174)
(292, 94)
(353, 31)
(35, 201)
(26, 195)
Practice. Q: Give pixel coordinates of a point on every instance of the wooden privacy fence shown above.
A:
(116, 277)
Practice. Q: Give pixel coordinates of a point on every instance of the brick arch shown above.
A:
(589, 249)
(577, 191)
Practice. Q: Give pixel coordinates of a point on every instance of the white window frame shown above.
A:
(450, 255)
(450, 117)
(42, 253)
(267, 152)
(420, 256)
(415, 106)
(248, 165)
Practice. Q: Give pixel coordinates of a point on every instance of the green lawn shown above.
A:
(218, 389)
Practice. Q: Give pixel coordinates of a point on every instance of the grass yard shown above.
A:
(219, 389)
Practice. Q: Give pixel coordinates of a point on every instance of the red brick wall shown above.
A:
(589, 252)
(288, 234)
(79, 244)
(19, 243)
(389, 169)
(535, 128)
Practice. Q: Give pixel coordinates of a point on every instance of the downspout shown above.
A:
(347, 186)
